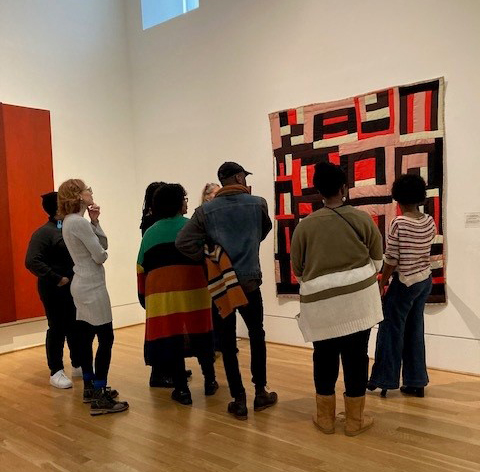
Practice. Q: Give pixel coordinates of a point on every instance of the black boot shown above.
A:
(263, 399)
(162, 382)
(103, 402)
(161, 377)
(238, 407)
(415, 391)
(211, 387)
(183, 397)
(371, 386)
(88, 391)
(208, 370)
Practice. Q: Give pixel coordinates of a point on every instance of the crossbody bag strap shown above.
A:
(349, 224)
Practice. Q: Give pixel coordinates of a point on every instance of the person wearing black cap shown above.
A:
(48, 259)
(238, 222)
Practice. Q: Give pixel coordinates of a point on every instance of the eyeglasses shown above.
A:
(88, 189)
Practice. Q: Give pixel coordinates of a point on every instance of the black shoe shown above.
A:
(415, 391)
(88, 393)
(103, 402)
(211, 388)
(264, 400)
(161, 382)
(238, 407)
(182, 396)
(371, 386)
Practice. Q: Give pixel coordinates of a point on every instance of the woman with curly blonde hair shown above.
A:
(87, 245)
(209, 192)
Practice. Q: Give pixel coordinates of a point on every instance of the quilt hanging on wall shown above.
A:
(375, 137)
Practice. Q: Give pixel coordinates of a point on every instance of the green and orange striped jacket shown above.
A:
(171, 287)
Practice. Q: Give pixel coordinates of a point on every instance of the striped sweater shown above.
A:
(337, 267)
(223, 285)
(409, 243)
(171, 287)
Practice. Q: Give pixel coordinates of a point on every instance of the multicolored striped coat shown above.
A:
(173, 290)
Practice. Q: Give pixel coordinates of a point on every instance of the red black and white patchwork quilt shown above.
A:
(375, 137)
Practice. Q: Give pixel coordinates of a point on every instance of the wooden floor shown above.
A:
(43, 428)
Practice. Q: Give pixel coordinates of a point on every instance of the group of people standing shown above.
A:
(336, 255)
(172, 285)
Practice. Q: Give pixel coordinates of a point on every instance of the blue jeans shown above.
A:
(401, 337)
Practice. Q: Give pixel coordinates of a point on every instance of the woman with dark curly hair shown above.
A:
(173, 290)
(147, 210)
(400, 337)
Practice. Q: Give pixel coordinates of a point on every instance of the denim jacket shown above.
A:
(238, 222)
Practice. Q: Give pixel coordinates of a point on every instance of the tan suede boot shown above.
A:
(325, 418)
(356, 422)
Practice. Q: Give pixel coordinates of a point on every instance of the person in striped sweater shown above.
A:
(173, 290)
(336, 253)
(400, 336)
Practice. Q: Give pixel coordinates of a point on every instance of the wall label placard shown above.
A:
(472, 219)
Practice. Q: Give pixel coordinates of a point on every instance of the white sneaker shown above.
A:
(77, 372)
(60, 380)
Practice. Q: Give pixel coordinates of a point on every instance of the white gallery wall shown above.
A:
(70, 57)
(175, 101)
(204, 83)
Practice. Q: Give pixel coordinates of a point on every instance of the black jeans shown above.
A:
(353, 349)
(104, 333)
(179, 375)
(60, 312)
(217, 327)
(252, 314)
(167, 357)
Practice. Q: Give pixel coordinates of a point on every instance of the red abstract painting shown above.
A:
(26, 172)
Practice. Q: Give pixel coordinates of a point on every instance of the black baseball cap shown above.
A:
(228, 169)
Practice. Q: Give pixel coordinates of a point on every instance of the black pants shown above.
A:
(353, 349)
(167, 356)
(87, 333)
(252, 314)
(180, 381)
(60, 312)
(217, 327)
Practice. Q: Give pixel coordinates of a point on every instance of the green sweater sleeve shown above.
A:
(374, 243)
(297, 251)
